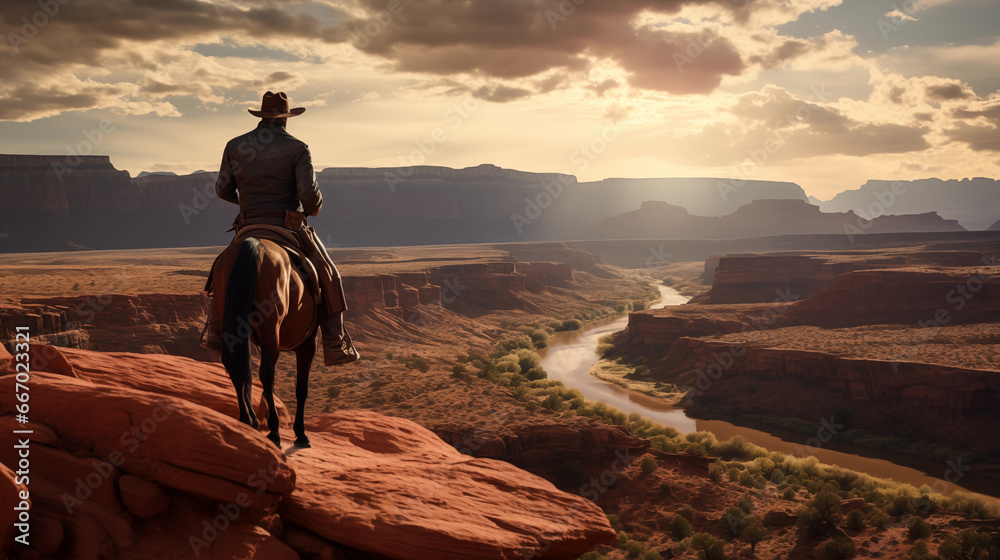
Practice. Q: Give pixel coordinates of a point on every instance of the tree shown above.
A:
(821, 514)
(732, 521)
(680, 528)
(753, 532)
(969, 545)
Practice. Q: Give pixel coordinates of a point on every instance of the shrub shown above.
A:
(899, 505)
(753, 532)
(738, 447)
(879, 519)
(415, 362)
(633, 549)
(969, 545)
(680, 528)
(333, 392)
(569, 325)
(918, 528)
(732, 521)
(715, 471)
(640, 371)
(710, 547)
(539, 336)
(745, 504)
(592, 556)
(838, 549)
(535, 374)
(652, 555)
(553, 402)
(920, 552)
(972, 505)
(821, 514)
(648, 465)
(527, 360)
(789, 493)
(855, 520)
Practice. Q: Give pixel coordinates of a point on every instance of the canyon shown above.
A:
(896, 341)
(519, 477)
(56, 203)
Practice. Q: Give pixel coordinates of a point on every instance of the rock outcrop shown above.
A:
(426, 507)
(659, 220)
(147, 323)
(950, 393)
(756, 278)
(973, 202)
(544, 449)
(923, 298)
(139, 456)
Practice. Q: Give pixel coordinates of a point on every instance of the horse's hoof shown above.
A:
(302, 441)
(276, 440)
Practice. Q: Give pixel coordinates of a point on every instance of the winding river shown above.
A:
(570, 355)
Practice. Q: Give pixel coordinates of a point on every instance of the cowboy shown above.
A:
(269, 174)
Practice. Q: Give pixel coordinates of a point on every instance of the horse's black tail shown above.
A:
(236, 328)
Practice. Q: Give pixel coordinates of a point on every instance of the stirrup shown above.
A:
(345, 354)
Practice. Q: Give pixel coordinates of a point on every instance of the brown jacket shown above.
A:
(267, 171)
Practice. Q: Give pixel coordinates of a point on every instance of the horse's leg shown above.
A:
(268, 360)
(248, 399)
(303, 361)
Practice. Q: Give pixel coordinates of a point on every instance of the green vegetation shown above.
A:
(854, 436)
(821, 514)
(568, 325)
(708, 546)
(680, 528)
(855, 520)
(732, 521)
(969, 545)
(918, 528)
(753, 532)
(920, 552)
(514, 364)
(415, 362)
(838, 549)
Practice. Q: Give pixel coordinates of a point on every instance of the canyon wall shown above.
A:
(54, 203)
(172, 323)
(974, 202)
(950, 393)
(902, 296)
(658, 220)
(738, 278)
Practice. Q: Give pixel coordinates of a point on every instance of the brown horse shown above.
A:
(260, 294)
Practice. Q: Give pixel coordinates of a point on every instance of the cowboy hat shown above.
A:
(275, 106)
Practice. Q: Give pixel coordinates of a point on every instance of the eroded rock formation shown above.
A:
(127, 464)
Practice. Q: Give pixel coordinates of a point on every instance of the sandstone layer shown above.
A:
(139, 456)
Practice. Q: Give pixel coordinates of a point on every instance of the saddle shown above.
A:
(287, 240)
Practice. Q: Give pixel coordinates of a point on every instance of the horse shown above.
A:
(260, 294)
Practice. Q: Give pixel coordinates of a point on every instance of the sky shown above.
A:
(824, 93)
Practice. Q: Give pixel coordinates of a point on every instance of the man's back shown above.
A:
(267, 171)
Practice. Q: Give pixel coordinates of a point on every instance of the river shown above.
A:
(570, 355)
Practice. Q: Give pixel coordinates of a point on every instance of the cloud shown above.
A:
(949, 92)
(524, 38)
(66, 63)
(500, 94)
(978, 125)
